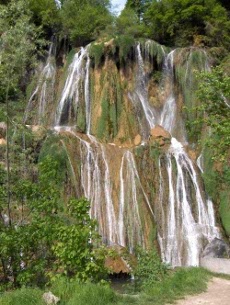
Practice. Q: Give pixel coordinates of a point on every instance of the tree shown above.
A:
(214, 96)
(46, 14)
(17, 52)
(138, 6)
(84, 20)
(127, 23)
(225, 4)
(184, 22)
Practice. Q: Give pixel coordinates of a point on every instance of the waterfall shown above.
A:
(44, 91)
(96, 183)
(58, 3)
(110, 176)
(87, 95)
(129, 208)
(168, 114)
(181, 238)
(70, 94)
(140, 94)
(72, 97)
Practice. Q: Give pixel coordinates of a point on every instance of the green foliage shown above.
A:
(45, 13)
(182, 282)
(214, 92)
(52, 146)
(210, 176)
(149, 268)
(125, 44)
(93, 294)
(127, 24)
(182, 22)
(175, 286)
(84, 20)
(215, 179)
(45, 238)
(96, 51)
(139, 6)
(102, 129)
(225, 210)
(18, 46)
(74, 246)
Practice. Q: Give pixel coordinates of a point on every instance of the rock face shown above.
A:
(2, 129)
(117, 265)
(50, 298)
(2, 142)
(160, 136)
(121, 261)
(217, 248)
(137, 140)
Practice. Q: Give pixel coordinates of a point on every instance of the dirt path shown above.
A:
(218, 293)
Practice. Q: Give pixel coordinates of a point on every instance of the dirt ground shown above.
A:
(218, 293)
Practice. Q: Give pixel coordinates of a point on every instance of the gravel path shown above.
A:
(218, 293)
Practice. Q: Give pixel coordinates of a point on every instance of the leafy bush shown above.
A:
(149, 269)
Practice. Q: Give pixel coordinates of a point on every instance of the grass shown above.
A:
(24, 296)
(180, 283)
(176, 285)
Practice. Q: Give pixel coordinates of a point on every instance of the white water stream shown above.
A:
(181, 235)
(44, 90)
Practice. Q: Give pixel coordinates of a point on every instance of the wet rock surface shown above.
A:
(217, 248)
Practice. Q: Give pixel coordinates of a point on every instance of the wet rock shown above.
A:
(120, 260)
(2, 142)
(159, 136)
(137, 140)
(117, 265)
(2, 129)
(159, 132)
(192, 154)
(217, 248)
(50, 298)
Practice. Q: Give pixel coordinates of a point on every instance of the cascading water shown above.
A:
(70, 95)
(181, 236)
(58, 3)
(44, 91)
(110, 176)
(129, 220)
(168, 113)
